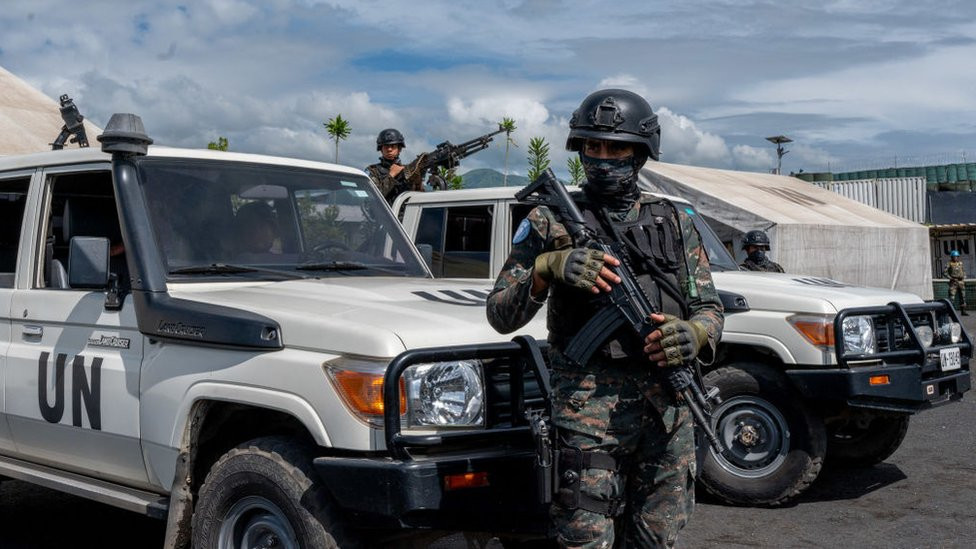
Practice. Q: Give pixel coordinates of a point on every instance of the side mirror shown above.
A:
(88, 262)
(427, 252)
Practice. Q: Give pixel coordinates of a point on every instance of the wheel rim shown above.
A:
(256, 523)
(755, 435)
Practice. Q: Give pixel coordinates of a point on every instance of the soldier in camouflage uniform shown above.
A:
(957, 281)
(756, 244)
(626, 446)
(388, 174)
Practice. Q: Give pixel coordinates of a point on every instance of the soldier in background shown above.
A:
(756, 244)
(388, 174)
(957, 281)
(625, 445)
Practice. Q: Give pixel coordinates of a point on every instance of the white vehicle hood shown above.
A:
(367, 316)
(799, 293)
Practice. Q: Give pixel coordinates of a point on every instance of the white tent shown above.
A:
(29, 120)
(812, 231)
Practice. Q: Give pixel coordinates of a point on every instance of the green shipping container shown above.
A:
(901, 172)
(971, 171)
(931, 175)
(951, 173)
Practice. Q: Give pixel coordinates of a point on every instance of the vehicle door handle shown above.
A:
(31, 330)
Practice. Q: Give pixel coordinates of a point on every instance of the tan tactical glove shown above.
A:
(681, 339)
(577, 267)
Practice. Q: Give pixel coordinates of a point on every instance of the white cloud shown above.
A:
(753, 159)
(683, 142)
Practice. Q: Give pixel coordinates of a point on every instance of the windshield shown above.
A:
(718, 257)
(231, 219)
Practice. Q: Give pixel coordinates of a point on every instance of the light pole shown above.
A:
(780, 151)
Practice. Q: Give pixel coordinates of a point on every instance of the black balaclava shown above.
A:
(759, 257)
(612, 182)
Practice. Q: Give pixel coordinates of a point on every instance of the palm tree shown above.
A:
(507, 124)
(538, 157)
(338, 129)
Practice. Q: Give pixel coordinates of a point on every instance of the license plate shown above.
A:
(950, 359)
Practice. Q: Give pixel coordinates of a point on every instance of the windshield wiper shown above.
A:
(332, 266)
(340, 266)
(225, 268)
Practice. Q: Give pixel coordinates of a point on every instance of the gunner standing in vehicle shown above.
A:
(756, 244)
(625, 444)
(388, 174)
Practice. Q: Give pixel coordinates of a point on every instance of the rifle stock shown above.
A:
(626, 302)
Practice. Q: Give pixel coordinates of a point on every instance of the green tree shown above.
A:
(576, 173)
(454, 181)
(507, 124)
(538, 157)
(338, 129)
(219, 145)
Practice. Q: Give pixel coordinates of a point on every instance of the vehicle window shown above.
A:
(719, 258)
(13, 198)
(224, 219)
(81, 204)
(430, 230)
(467, 242)
(461, 239)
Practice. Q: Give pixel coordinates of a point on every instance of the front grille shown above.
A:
(502, 408)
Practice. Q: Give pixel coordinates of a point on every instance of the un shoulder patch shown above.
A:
(523, 231)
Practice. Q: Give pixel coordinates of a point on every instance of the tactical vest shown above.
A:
(655, 249)
(956, 271)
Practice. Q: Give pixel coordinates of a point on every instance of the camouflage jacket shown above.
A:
(511, 306)
(955, 270)
(389, 186)
(767, 266)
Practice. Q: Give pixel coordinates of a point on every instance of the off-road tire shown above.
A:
(792, 440)
(853, 447)
(273, 470)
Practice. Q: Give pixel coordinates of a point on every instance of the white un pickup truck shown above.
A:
(251, 349)
(807, 368)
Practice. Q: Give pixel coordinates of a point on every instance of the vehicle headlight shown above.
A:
(859, 335)
(950, 332)
(445, 394)
(925, 335)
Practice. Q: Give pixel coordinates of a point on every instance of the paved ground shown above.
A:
(922, 496)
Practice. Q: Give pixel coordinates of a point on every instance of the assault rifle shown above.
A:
(627, 304)
(445, 156)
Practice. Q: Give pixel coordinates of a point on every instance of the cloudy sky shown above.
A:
(853, 82)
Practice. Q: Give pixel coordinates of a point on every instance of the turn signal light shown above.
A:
(817, 330)
(879, 380)
(363, 391)
(466, 480)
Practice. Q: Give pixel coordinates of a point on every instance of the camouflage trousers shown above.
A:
(626, 413)
(957, 286)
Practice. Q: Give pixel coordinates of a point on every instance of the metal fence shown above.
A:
(901, 196)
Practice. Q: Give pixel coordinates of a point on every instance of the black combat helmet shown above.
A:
(755, 238)
(615, 115)
(389, 136)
